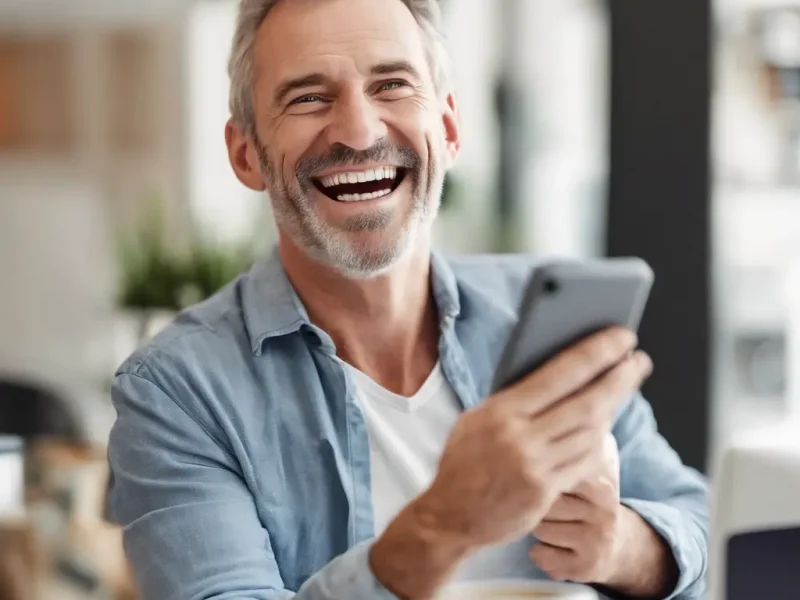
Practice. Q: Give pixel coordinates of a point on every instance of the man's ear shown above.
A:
(452, 129)
(243, 157)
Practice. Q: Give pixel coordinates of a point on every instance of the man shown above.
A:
(322, 426)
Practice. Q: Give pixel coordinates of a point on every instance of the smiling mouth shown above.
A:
(357, 186)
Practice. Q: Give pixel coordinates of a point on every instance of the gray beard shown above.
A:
(295, 213)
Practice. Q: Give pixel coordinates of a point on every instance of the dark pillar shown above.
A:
(659, 202)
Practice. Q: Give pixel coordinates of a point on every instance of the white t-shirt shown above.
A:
(407, 437)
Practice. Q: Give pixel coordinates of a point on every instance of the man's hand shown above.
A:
(507, 462)
(589, 537)
(580, 538)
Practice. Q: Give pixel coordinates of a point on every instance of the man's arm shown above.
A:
(192, 530)
(670, 497)
(191, 527)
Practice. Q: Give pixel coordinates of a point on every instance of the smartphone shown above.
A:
(565, 301)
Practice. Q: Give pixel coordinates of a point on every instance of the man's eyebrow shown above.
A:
(312, 79)
(396, 66)
(290, 85)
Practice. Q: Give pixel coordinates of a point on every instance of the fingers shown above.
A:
(572, 459)
(569, 508)
(554, 561)
(571, 370)
(561, 535)
(597, 490)
(594, 405)
(569, 458)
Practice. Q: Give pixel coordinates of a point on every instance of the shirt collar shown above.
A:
(272, 308)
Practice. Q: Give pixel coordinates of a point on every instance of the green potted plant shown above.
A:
(157, 280)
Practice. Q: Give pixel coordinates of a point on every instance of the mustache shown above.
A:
(344, 156)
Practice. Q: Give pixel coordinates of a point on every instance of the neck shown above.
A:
(384, 326)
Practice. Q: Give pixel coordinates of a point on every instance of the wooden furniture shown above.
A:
(19, 564)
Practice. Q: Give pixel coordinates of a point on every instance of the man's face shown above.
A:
(352, 138)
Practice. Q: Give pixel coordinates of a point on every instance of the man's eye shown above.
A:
(392, 85)
(310, 99)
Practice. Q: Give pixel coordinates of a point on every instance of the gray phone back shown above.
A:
(567, 300)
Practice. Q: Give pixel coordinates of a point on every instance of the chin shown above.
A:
(367, 258)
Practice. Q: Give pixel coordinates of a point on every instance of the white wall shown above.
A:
(16, 14)
(56, 283)
(563, 65)
(222, 206)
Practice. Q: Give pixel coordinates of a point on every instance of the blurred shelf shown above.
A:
(78, 92)
(35, 96)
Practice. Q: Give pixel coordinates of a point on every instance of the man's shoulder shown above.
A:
(200, 336)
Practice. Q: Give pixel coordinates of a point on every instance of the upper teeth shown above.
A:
(360, 176)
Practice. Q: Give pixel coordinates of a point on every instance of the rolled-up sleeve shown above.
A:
(671, 497)
(191, 528)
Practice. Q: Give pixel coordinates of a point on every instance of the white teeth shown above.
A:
(358, 197)
(359, 176)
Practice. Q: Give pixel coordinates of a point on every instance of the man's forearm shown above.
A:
(413, 558)
(647, 568)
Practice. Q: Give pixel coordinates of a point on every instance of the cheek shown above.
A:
(294, 138)
(418, 125)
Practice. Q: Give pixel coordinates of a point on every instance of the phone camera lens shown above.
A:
(551, 286)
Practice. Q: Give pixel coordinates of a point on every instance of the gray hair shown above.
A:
(251, 16)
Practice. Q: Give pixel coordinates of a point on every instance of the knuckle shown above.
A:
(594, 412)
(615, 342)
(535, 480)
(608, 350)
(496, 424)
(506, 434)
(592, 352)
(620, 381)
(606, 535)
(631, 369)
(510, 445)
(608, 487)
(598, 441)
(621, 375)
(491, 418)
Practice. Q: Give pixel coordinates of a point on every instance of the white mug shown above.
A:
(516, 590)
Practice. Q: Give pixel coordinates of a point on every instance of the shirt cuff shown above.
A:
(348, 576)
(684, 538)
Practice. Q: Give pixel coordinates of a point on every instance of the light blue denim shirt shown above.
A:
(240, 459)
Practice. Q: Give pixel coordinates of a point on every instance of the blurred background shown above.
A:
(667, 129)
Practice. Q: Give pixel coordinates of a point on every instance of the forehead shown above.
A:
(299, 37)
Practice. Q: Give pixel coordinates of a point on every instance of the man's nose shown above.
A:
(356, 123)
